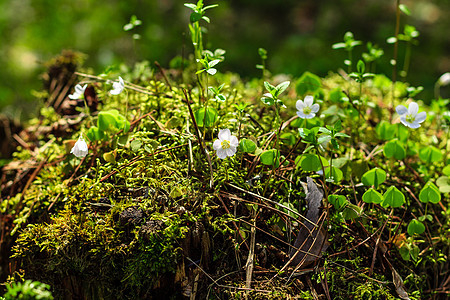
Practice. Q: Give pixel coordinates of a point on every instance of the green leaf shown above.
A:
(404, 9)
(135, 145)
(351, 211)
(288, 138)
(372, 196)
(336, 95)
(122, 123)
(443, 183)
(385, 130)
(247, 145)
(415, 227)
(333, 176)
(310, 162)
(340, 134)
(262, 53)
(221, 98)
(446, 170)
(110, 156)
(375, 177)
(107, 120)
(338, 46)
(430, 193)
(191, 6)
(395, 149)
(338, 201)
(324, 138)
(282, 87)
(195, 17)
(402, 133)
(270, 88)
(393, 197)
(94, 134)
(404, 252)
(112, 120)
(270, 157)
(361, 67)
(308, 82)
(206, 117)
(213, 63)
(268, 100)
(430, 154)
(338, 126)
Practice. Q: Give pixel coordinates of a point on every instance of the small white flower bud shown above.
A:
(444, 79)
(80, 149)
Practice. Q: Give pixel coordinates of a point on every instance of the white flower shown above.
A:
(444, 79)
(79, 90)
(226, 144)
(80, 149)
(410, 117)
(306, 109)
(117, 87)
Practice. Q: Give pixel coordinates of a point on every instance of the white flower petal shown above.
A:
(222, 153)
(230, 151)
(217, 144)
(414, 125)
(234, 141)
(117, 87)
(300, 105)
(300, 114)
(444, 79)
(74, 96)
(403, 120)
(310, 116)
(315, 108)
(413, 108)
(401, 110)
(224, 134)
(78, 89)
(80, 149)
(309, 100)
(115, 91)
(421, 117)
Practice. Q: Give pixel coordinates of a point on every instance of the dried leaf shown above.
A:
(399, 286)
(311, 240)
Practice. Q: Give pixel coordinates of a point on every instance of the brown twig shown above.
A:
(163, 74)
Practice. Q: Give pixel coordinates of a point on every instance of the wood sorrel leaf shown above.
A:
(311, 162)
(415, 227)
(430, 154)
(375, 177)
(270, 157)
(443, 183)
(338, 201)
(372, 196)
(395, 149)
(430, 193)
(393, 197)
(106, 120)
(288, 138)
(385, 130)
(335, 175)
(351, 211)
(308, 82)
(206, 117)
(247, 145)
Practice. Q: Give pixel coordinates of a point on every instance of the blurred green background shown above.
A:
(297, 35)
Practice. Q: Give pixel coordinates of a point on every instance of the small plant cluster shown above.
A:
(172, 181)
